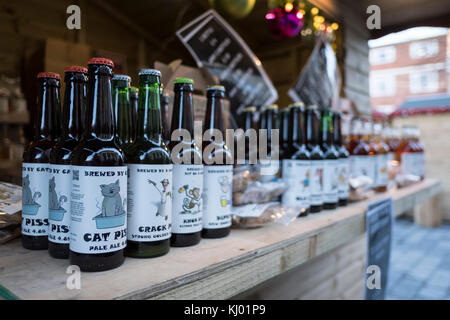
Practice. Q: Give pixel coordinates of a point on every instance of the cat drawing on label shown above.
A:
(191, 200)
(225, 188)
(56, 211)
(112, 201)
(163, 208)
(29, 204)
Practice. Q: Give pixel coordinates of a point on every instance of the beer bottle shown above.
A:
(60, 185)
(35, 163)
(296, 164)
(284, 131)
(122, 109)
(270, 167)
(343, 162)
(218, 168)
(150, 176)
(165, 116)
(360, 162)
(134, 95)
(406, 151)
(373, 150)
(317, 158)
(98, 230)
(187, 169)
(331, 156)
(382, 176)
(420, 150)
(247, 123)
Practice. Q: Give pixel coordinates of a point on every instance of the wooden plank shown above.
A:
(429, 213)
(216, 268)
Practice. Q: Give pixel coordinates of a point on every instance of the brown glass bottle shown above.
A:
(164, 98)
(60, 187)
(134, 95)
(420, 153)
(186, 157)
(296, 163)
(150, 176)
(218, 168)
(99, 185)
(35, 164)
(312, 120)
(331, 165)
(406, 151)
(373, 150)
(382, 177)
(343, 161)
(122, 109)
(269, 166)
(247, 123)
(284, 131)
(359, 151)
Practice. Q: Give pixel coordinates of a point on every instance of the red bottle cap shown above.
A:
(48, 75)
(76, 69)
(104, 61)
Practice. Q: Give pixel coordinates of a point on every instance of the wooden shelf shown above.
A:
(15, 118)
(214, 269)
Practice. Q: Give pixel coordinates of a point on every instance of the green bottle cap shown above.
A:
(183, 80)
(216, 87)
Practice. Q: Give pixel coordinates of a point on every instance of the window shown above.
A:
(423, 49)
(422, 82)
(382, 55)
(382, 86)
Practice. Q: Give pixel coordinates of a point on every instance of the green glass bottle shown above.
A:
(134, 95)
(150, 176)
(98, 229)
(60, 185)
(186, 157)
(122, 109)
(331, 156)
(35, 165)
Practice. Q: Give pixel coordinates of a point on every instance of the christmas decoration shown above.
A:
(285, 22)
(236, 9)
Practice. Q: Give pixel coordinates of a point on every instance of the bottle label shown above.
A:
(297, 177)
(187, 198)
(59, 188)
(216, 198)
(421, 164)
(149, 202)
(382, 170)
(330, 181)
(316, 189)
(363, 166)
(269, 170)
(408, 162)
(344, 171)
(98, 209)
(35, 182)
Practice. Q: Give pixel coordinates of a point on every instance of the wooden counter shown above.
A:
(214, 269)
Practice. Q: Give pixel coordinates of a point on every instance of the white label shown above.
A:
(60, 187)
(363, 166)
(344, 171)
(408, 161)
(217, 183)
(269, 170)
(330, 181)
(421, 164)
(187, 203)
(149, 202)
(382, 170)
(297, 177)
(316, 182)
(35, 178)
(98, 209)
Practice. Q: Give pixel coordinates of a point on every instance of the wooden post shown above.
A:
(428, 214)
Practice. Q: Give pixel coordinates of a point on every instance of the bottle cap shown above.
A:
(150, 72)
(215, 87)
(249, 109)
(51, 75)
(102, 61)
(183, 80)
(76, 69)
(121, 77)
(271, 107)
(296, 105)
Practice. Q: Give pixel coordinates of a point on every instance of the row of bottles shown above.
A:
(96, 188)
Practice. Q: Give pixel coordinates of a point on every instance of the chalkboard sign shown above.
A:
(219, 49)
(379, 220)
(319, 81)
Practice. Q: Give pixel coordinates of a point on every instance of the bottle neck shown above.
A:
(285, 129)
(248, 121)
(122, 112)
(74, 105)
(149, 111)
(100, 112)
(337, 132)
(297, 130)
(326, 128)
(214, 113)
(312, 127)
(48, 122)
(183, 112)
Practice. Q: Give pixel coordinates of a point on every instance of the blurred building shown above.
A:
(410, 70)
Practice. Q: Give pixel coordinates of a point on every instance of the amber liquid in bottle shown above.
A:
(382, 159)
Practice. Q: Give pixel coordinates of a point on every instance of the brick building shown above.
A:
(409, 65)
